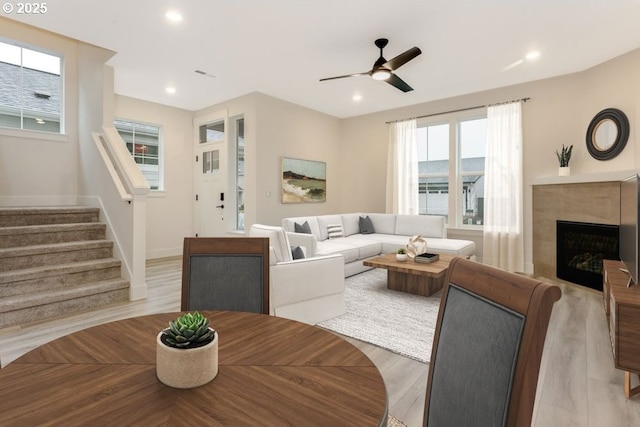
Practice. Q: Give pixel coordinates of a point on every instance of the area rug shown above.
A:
(401, 322)
(394, 422)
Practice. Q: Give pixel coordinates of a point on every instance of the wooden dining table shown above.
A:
(272, 372)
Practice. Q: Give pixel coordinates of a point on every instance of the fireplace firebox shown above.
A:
(580, 249)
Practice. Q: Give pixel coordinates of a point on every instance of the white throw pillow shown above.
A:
(334, 230)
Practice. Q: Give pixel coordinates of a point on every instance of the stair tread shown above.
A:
(48, 228)
(57, 269)
(38, 210)
(51, 296)
(55, 260)
(54, 247)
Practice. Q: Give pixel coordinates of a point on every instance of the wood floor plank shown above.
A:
(578, 384)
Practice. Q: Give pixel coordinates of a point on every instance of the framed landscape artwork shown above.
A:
(303, 181)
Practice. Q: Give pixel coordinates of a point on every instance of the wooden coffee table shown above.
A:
(410, 276)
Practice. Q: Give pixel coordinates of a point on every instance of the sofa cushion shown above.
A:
(340, 245)
(389, 243)
(384, 223)
(365, 225)
(289, 224)
(278, 240)
(334, 231)
(350, 224)
(424, 225)
(302, 228)
(366, 248)
(465, 248)
(324, 221)
(297, 252)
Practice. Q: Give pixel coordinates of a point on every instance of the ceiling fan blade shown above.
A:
(347, 75)
(403, 58)
(398, 83)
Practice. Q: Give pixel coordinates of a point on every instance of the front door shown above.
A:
(210, 175)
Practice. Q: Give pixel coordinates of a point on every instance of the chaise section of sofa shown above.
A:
(390, 232)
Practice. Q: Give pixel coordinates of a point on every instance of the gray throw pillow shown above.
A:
(302, 228)
(297, 252)
(366, 226)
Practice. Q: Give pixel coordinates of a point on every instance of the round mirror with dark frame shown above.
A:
(607, 134)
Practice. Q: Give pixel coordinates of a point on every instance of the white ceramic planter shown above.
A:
(401, 257)
(186, 368)
(564, 171)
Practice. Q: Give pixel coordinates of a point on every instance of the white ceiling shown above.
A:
(283, 47)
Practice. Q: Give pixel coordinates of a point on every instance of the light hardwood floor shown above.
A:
(578, 385)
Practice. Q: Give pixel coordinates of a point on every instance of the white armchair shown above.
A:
(309, 290)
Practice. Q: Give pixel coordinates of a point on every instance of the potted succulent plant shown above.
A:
(401, 255)
(187, 352)
(563, 157)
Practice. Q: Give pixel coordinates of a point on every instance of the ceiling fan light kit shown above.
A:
(381, 74)
(383, 70)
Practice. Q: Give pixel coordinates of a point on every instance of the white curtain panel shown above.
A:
(503, 244)
(402, 168)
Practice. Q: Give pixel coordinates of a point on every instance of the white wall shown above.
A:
(169, 212)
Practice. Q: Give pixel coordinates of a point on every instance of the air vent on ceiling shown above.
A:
(204, 73)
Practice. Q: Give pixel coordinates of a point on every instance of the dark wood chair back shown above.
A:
(226, 273)
(487, 347)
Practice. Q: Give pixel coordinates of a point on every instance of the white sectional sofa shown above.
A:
(308, 290)
(390, 233)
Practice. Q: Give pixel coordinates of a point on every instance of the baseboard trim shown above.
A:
(164, 253)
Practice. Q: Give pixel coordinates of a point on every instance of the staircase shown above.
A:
(55, 261)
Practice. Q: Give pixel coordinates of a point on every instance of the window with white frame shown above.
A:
(451, 151)
(239, 159)
(144, 143)
(30, 89)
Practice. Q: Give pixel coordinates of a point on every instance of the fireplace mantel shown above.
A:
(583, 178)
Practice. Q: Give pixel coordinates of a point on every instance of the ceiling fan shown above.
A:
(383, 69)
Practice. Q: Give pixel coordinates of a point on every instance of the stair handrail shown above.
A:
(123, 169)
(100, 141)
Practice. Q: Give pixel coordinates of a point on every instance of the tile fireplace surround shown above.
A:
(592, 202)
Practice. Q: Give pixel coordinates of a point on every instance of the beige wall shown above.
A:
(54, 157)
(354, 149)
(286, 129)
(169, 212)
(275, 128)
(558, 113)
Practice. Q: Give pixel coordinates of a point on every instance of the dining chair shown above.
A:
(487, 347)
(225, 273)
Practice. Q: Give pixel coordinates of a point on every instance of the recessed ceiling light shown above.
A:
(40, 121)
(533, 55)
(173, 16)
(357, 97)
(170, 90)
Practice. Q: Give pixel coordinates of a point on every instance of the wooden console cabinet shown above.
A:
(622, 307)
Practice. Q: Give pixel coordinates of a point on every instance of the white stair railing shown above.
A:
(127, 227)
(101, 144)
